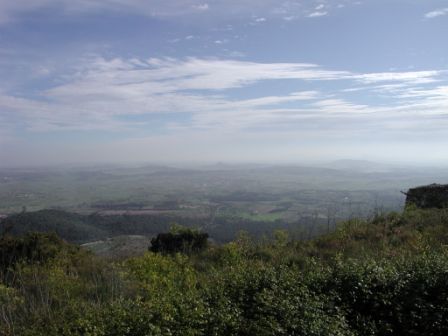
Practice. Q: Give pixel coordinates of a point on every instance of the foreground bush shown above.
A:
(384, 277)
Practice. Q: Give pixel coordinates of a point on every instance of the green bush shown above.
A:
(386, 276)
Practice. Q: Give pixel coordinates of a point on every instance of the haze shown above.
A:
(232, 81)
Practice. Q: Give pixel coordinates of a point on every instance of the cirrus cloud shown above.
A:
(123, 94)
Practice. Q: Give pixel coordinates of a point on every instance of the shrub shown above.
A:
(183, 241)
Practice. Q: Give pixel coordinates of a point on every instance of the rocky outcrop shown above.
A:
(430, 196)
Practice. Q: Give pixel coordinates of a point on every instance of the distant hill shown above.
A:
(362, 166)
(69, 226)
(81, 229)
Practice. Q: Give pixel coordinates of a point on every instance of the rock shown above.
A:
(430, 196)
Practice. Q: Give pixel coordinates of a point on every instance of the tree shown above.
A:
(181, 240)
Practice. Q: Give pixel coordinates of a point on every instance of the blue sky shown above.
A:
(202, 81)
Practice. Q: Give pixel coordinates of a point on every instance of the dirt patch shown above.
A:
(120, 247)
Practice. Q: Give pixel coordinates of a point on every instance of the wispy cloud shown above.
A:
(317, 14)
(201, 7)
(436, 13)
(219, 9)
(415, 77)
(105, 94)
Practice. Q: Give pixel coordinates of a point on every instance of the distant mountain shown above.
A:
(221, 166)
(362, 166)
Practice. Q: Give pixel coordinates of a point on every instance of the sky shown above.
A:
(280, 81)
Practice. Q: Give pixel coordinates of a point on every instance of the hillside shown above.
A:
(385, 276)
(80, 228)
(72, 227)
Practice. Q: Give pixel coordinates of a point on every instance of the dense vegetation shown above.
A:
(180, 240)
(385, 276)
